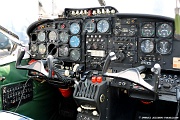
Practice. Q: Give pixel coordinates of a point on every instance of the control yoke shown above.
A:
(36, 66)
(131, 74)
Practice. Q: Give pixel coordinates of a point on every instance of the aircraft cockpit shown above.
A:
(94, 63)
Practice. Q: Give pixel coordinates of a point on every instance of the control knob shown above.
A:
(121, 56)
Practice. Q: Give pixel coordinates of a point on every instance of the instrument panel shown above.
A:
(89, 38)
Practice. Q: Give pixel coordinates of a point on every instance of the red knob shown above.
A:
(94, 79)
(99, 79)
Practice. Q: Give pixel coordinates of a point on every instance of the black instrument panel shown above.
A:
(136, 40)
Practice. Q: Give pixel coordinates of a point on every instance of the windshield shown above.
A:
(22, 13)
(157, 7)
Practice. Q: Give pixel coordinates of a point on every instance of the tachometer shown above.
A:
(75, 55)
(74, 41)
(147, 46)
(41, 36)
(74, 28)
(52, 35)
(163, 47)
(147, 30)
(42, 49)
(63, 51)
(64, 37)
(103, 26)
(90, 26)
(164, 30)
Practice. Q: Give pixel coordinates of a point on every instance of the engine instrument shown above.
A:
(164, 46)
(42, 49)
(41, 36)
(75, 55)
(164, 30)
(147, 46)
(64, 37)
(147, 30)
(52, 36)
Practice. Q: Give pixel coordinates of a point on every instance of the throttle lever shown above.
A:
(157, 71)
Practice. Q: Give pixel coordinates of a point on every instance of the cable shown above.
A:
(22, 95)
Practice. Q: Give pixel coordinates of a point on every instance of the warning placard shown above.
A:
(176, 62)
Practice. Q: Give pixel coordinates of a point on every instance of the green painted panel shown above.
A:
(45, 103)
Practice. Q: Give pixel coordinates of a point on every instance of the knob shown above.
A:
(121, 56)
(95, 45)
(79, 109)
(95, 113)
(73, 13)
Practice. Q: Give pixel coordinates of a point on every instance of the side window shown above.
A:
(7, 46)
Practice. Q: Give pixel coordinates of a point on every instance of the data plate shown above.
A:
(12, 94)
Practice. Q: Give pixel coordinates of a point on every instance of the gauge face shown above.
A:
(41, 36)
(163, 47)
(75, 55)
(75, 28)
(164, 30)
(33, 48)
(90, 26)
(42, 49)
(147, 30)
(52, 35)
(74, 41)
(102, 26)
(63, 51)
(147, 46)
(64, 37)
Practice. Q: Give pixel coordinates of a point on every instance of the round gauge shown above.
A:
(147, 46)
(42, 49)
(103, 26)
(63, 51)
(90, 26)
(52, 35)
(64, 37)
(164, 30)
(33, 48)
(41, 36)
(74, 28)
(75, 55)
(147, 30)
(163, 47)
(74, 41)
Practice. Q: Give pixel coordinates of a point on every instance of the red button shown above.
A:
(99, 79)
(94, 79)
